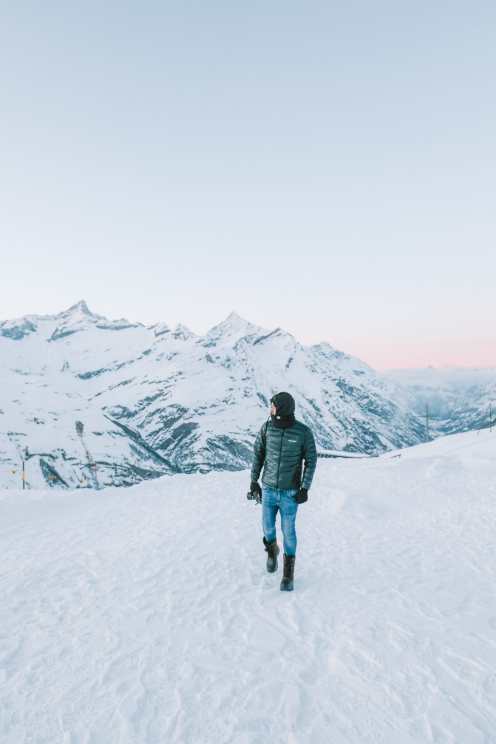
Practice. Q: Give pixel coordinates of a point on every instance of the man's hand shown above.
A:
(301, 496)
(256, 492)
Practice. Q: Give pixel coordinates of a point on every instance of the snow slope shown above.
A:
(145, 616)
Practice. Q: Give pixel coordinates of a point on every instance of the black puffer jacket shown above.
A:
(281, 452)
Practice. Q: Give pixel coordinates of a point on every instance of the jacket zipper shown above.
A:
(279, 461)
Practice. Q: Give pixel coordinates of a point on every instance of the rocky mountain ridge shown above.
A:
(151, 399)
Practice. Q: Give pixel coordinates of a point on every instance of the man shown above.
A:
(281, 446)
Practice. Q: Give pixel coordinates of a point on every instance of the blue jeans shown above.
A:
(274, 499)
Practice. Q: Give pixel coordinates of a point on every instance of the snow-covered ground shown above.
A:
(144, 615)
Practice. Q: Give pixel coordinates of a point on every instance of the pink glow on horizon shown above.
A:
(477, 352)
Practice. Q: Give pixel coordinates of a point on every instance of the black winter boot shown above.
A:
(288, 573)
(272, 549)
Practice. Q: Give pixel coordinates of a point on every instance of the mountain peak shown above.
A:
(183, 332)
(233, 321)
(233, 325)
(79, 307)
(234, 317)
(229, 331)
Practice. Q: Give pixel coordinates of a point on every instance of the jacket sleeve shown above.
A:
(310, 459)
(258, 455)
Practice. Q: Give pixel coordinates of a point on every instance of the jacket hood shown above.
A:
(284, 403)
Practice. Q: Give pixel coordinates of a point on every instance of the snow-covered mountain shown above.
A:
(125, 618)
(119, 402)
(456, 399)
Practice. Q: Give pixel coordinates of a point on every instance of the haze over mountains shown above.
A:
(89, 401)
(455, 399)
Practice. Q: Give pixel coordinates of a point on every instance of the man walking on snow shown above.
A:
(281, 447)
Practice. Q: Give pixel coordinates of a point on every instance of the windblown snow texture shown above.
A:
(146, 615)
(155, 400)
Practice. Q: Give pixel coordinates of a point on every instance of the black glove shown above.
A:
(256, 492)
(301, 496)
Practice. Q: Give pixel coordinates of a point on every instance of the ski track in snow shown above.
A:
(145, 615)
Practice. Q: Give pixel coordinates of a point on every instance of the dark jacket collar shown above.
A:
(283, 422)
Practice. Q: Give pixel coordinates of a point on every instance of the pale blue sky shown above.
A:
(329, 168)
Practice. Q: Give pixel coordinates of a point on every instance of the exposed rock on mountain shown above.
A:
(155, 400)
